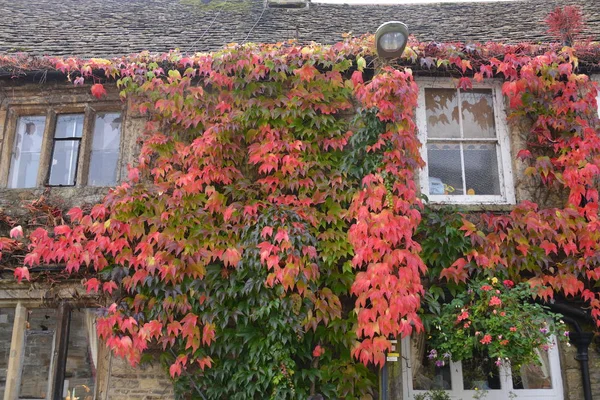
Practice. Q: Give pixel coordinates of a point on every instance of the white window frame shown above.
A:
(51, 113)
(457, 392)
(507, 188)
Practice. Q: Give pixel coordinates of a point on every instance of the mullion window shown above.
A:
(65, 150)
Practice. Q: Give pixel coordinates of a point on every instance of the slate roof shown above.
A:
(103, 28)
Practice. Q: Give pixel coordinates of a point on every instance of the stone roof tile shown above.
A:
(116, 27)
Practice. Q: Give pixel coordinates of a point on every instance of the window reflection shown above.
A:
(105, 150)
(37, 357)
(480, 373)
(67, 138)
(27, 148)
(534, 376)
(426, 373)
(82, 355)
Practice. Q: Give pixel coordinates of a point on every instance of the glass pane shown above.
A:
(442, 113)
(445, 171)
(69, 126)
(82, 355)
(427, 374)
(533, 376)
(25, 158)
(105, 150)
(481, 169)
(37, 358)
(478, 113)
(7, 318)
(480, 372)
(64, 162)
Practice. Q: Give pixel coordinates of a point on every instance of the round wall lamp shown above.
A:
(390, 39)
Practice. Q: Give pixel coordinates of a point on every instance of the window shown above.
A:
(48, 353)
(462, 380)
(465, 145)
(54, 148)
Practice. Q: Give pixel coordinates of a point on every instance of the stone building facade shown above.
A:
(34, 333)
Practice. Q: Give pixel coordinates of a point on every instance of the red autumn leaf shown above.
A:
(92, 284)
(22, 273)
(109, 287)
(357, 78)
(306, 73)
(175, 370)
(231, 257)
(98, 90)
(318, 351)
(75, 214)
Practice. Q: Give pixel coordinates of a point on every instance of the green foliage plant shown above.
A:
(496, 318)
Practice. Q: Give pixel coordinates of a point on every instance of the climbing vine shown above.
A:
(266, 239)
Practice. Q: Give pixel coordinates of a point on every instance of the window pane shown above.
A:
(69, 126)
(39, 342)
(64, 162)
(82, 355)
(533, 376)
(445, 171)
(480, 372)
(105, 150)
(7, 318)
(426, 375)
(442, 113)
(25, 158)
(481, 169)
(478, 113)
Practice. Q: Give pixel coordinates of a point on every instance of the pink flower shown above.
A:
(513, 328)
(495, 301)
(487, 339)
(508, 283)
(503, 314)
(463, 315)
(486, 287)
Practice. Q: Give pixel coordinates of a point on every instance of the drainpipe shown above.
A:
(384, 382)
(581, 340)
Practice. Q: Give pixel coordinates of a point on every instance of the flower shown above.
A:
(439, 363)
(498, 362)
(495, 301)
(566, 333)
(432, 354)
(503, 314)
(544, 330)
(494, 280)
(504, 342)
(508, 283)
(486, 287)
(487, 339)
(463, 315)
(513, 328)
